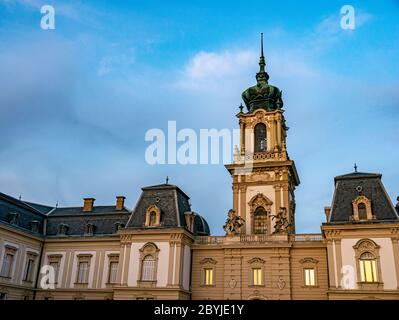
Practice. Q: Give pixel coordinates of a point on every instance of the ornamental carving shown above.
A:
(260, 176)
(260, 200)
(233, 223)
(282, 224)
(208, 261)
(256, 260)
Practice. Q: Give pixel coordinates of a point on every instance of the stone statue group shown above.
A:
(234, 222)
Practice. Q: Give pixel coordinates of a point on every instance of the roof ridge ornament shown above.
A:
(262, 74)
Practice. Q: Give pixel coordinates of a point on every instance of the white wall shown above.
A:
(386, 260)
(163, 263)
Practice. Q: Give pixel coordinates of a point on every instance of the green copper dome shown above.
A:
(262, 95)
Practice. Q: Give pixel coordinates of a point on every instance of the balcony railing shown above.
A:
(259, 238)
(306, 237)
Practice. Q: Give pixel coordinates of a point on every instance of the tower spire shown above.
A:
(262, 74)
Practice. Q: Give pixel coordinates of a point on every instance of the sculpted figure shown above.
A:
(233, 223)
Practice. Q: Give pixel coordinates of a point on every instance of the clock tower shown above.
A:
(264, 177)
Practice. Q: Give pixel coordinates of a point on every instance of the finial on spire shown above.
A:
(167, 180)
(355, 166)
(262, 75)
(261, 44)
(241, 107)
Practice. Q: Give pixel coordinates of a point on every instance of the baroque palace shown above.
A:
(162, 249)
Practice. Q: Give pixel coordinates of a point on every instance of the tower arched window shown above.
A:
(148, 268)
(260, 221)
(361, 207)
(260, 138)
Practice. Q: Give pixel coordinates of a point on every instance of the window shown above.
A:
(309, 268)
(153, 217)
(55, 265)
(257, 276)
(148, 265)
(90, 229)
(83, 272)
(368, 264)
(148, 269)
(208, 277)
(309, 277)
(368, 268)
(113, 272)
(260, 138)
(256, 271)
(208, 271)
(8, 262)
(3, 296)
(29, 272)
(260, 221)
(362, 211)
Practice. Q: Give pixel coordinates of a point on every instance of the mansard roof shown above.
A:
(172, 202)
(349, 186)
(20, 215)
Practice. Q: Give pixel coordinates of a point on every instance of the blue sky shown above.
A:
(76, 101)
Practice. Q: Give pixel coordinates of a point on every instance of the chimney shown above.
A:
(327, 211)
(88, 204)
(120, 202)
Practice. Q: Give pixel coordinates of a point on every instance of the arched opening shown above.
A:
(153, 218)
(368, 267)
(260, 138)
(361, 207)
(148, 268)
(260, 221)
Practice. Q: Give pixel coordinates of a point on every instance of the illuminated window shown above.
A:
(148, 269)
(260, 137)
(309, 276)
(257, 276)
(368, 268)
(208, 277)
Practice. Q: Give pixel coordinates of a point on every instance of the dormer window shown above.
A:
(34, 226)
(14, 218)
(153, 216)
(118, 225)
(62, 229)
(361, 209)
(90, 229)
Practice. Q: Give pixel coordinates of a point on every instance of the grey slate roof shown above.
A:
(172, 202)
(370, 185)
(25, 214)
(103, 218)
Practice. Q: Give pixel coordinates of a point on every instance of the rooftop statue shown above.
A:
(233, 223)
(262, 95)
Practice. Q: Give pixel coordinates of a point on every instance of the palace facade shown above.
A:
(161, 249)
